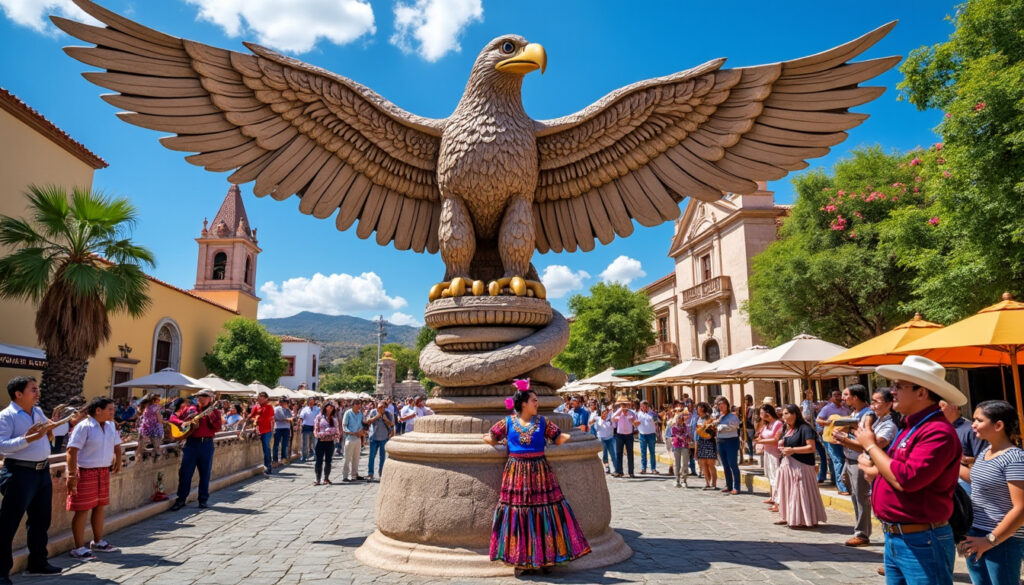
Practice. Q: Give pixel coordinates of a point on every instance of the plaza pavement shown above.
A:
(282, 530)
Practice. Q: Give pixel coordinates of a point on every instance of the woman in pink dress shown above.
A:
(768, 446)
(796, 490)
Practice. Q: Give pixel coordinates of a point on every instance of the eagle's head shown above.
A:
(505, 60)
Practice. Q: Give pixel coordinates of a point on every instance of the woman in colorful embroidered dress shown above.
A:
(534, 527)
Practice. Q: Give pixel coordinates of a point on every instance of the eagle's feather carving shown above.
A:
(488, 177)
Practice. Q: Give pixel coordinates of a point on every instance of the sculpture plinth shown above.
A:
(447, 479)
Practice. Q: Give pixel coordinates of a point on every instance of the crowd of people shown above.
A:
(900, 453)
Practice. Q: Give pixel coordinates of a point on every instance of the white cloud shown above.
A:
(397, 318)
(431, 27)
(336, 294)
(623, 269)
(34, 13)
(560, 280)
(294, 26)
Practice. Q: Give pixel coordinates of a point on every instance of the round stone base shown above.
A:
(382, 552)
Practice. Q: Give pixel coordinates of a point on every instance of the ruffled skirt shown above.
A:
(533, 524)
(796, 492)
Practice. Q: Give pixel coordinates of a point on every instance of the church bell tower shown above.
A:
(226, 269)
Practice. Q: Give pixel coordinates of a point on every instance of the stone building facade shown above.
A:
(697, 305)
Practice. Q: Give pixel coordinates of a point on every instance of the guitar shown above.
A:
(185, 429)
(837, 421)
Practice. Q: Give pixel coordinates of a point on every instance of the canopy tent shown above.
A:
(164, 380)
(282, 392)
(885, 348)
(994, 334)
(257, 387)
(643, 370)
(715, 372)
(672, 376)
(578, 388)
(605, 378)
(22, 357)
(221, 386)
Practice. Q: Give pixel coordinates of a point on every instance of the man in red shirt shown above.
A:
(198, 449)
(912, 493)
(263, 412)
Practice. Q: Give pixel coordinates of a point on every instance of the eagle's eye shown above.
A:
(508, 47)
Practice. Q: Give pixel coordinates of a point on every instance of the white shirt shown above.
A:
(61, 430)
(603, 427)
(417, 411)
(14, 423)
(308, 415)
(647, 422)
(281, 416)
(95, 443)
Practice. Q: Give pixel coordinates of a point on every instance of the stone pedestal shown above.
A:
(441, 483)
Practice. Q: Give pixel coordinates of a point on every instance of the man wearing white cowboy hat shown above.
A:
(912, 494)
(624, 421)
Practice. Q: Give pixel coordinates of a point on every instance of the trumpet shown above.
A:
(67, 410)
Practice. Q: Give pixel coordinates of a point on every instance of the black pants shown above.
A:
(197, 454)
(623, 443)
(324, 452)
(24, 490)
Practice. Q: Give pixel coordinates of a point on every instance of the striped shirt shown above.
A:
(990, 494)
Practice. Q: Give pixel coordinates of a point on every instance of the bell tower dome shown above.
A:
(226, 268)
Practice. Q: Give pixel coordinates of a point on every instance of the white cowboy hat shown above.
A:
(924, 372)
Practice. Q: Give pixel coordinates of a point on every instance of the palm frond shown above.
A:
(125, 287)
(49, 205)
(127, 252)
(26, 274)
(16, 232)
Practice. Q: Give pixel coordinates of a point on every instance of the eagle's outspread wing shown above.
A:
(638, 151)
(288, 126)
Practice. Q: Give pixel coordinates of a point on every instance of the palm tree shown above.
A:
(73, 258)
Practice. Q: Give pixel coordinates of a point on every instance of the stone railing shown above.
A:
(715, 288)
(131, 489)
(663, 350)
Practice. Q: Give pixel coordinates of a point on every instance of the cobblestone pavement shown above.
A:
(282, 530)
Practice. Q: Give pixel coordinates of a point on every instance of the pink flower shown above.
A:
(979, 106)
(938, 145)
(853, 235)
(918, 179)
(858, 215)
(916, 190)
(945, 174)
(522, 385)
(841, 193)
(510, 403)
(830, 208)
(940, 160)
(934, 220)
(948, 115)
(895, 198)
(897, 184)
(916, 162)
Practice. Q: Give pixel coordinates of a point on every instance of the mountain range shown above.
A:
(340, 335)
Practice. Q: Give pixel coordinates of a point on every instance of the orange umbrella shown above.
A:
(883, 349)
(993, 336)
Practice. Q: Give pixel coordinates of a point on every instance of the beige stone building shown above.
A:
(697, 305)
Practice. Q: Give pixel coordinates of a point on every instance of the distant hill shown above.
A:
(341, 335)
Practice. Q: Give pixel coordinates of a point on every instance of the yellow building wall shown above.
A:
(27, 157)
(241, 302)
(198, 321)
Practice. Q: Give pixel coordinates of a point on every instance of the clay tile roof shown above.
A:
(292, 338)
(232, 213)
(33, 119)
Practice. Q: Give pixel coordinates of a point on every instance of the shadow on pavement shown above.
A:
(350, 542)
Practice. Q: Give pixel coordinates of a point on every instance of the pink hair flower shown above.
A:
(510, 403)
(522, 385)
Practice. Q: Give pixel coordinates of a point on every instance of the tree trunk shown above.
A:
(62, 380)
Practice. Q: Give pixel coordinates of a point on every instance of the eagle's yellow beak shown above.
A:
(531, 58)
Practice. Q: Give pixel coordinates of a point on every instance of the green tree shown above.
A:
(352, 373)
(976, 79)
(73, 257)
(245, 351)
(612, 327)
(424, 337)
(839, 268)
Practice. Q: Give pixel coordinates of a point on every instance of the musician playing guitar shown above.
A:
(198, 450)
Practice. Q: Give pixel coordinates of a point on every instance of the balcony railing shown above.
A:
(710, 290)
(663, 350)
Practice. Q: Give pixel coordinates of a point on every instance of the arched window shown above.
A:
(248, 270)
(220, 265)
(166, 346)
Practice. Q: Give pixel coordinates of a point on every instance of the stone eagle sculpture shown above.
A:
(487, 185)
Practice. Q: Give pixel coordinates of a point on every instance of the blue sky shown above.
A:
(418, 53)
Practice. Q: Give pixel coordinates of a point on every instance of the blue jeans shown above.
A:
(377, 448)
(608, 450)
(265, 442)
(623, 446)
(999, 565)
(824, 461)
(729, 454)
(197, 454)
(921, 558)
(25, 491)
(693, 466)
(838, 458)
(308, 442)
(281, 438)
(647, 443)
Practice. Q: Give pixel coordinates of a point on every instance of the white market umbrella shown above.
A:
(800, 357)
(257, 387)
(672, 376)
(605, 378)
(577, 387)
(165, 379)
